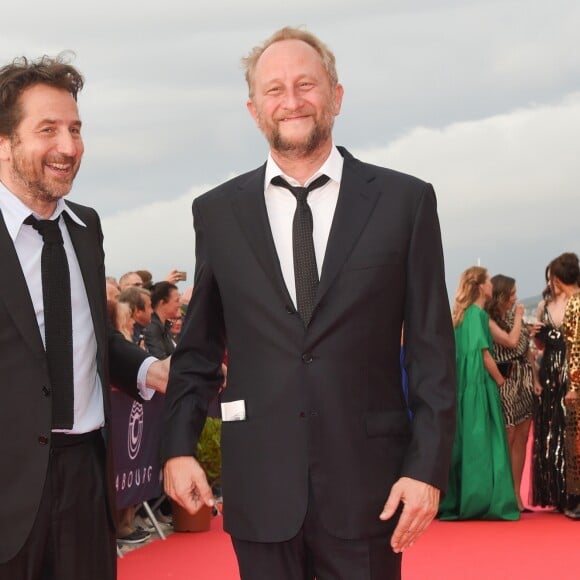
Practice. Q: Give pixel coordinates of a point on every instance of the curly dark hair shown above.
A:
(23, 73)
(566, 268)
(547, 293)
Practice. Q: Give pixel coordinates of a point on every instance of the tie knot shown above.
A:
(48, 229)
(301, 193)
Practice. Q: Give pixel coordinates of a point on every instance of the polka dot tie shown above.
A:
(305, 270)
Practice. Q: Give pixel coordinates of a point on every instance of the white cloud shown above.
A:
(156, 237)
(444, 89)
(507, 187)
(503, 172)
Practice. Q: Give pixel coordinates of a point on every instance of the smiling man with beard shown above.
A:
(306, 270)
(57, 505)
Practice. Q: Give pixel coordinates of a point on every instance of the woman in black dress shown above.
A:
(548, 457)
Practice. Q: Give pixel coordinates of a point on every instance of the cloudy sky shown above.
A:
(479, 97)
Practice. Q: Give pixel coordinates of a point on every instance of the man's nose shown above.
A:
(292, 99)
(68, 144)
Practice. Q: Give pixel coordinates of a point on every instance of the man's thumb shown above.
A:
(391, 505)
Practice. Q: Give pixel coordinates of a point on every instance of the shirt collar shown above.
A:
(14, 211)
(331, 167)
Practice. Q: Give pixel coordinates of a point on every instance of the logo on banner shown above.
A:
(135, 429)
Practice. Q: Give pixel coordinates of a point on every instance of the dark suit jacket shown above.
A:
(324, 404)
(25, 413)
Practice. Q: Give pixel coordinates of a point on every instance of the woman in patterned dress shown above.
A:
(514, 359)
(548, 457)
(565, 272)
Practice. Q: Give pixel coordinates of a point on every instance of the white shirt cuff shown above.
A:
(145, 391)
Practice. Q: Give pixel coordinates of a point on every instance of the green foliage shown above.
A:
(209, 452)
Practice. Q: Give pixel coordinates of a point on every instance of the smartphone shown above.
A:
(182, 276)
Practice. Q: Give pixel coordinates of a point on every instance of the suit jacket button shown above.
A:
(46, 391)
(307, 358)
(302, 414)
(43, 440)
(289, 309)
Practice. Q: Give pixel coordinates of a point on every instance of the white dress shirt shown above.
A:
(88, 394)
(281, 205)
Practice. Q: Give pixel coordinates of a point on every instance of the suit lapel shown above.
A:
(14, 292)
(83, 240)
(250, 210)
(356, 199)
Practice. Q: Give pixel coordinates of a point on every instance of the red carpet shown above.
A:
(541, 545)
(199, 556)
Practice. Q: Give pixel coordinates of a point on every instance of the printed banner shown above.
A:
(136, 439)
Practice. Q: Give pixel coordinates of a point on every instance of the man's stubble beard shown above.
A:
(319, 134)
(23, 173)
(36, 188)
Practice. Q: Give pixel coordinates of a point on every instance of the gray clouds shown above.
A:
(479, 97)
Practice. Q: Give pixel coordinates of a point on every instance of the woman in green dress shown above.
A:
(480, 480)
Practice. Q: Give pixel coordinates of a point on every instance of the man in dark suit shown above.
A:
(57, 507)
(324, 474)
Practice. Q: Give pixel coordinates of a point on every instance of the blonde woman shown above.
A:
(125, 322)
(480, 479)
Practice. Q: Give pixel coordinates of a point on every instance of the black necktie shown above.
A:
(57, 321)
(305, 270)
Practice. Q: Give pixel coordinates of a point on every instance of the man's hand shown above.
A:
(173, 277)
(186, 483)
(420, 504)
(157, 375)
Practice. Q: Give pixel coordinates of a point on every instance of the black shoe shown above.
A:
(163, 518)
(143, 524)
(137, 536)
(573, 514)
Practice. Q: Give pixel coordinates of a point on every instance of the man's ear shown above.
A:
(253, 111)
(338, 94)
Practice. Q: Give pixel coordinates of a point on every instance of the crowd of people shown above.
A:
(148, 314)
(512, 375)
